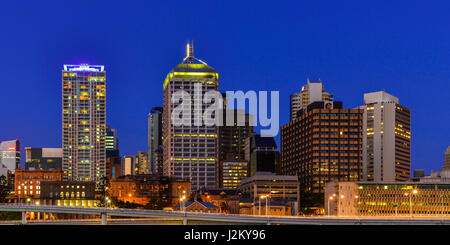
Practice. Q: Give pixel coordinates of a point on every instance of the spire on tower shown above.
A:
(190, 50)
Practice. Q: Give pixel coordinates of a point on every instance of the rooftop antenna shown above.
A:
(190, 50)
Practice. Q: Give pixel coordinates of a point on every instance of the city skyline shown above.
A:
(291, 64)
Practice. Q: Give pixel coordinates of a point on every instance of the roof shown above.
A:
(264, 141)
(192, 64)
(231, 192)
(205, 204)
(193, 68)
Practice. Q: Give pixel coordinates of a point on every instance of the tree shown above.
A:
(155, 204)
(4, 188)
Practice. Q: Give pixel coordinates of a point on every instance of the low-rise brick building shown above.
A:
(28, 182)
(141, 189)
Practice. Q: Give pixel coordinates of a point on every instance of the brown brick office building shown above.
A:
(324, 143)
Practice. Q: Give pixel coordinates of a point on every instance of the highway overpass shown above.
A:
(220, 218)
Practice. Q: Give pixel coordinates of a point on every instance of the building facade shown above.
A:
(190, 145)
(323, 144)
(262, 154)
(387, 199)
(447, 158)
(275, 186)
(143, 188)
(28, 182)
(311, 92)
(155, 121)
(43, 158)
(130, 165)
(233, 167)
(387, 138)
(144, 163)
(111, 139)
(84, 122)
(68, 193)
(10, 154)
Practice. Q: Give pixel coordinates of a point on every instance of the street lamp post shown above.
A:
(442, 211)
(182, 198)
(339, 203)
(410, 201)
(330, 198)
(259, 209)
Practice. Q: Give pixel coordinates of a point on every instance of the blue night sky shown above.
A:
(354, 47)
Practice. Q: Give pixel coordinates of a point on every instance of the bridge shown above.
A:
(220, 218)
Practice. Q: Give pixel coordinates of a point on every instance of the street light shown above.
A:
(339, 203)
(414, 191)
(264, 197)
(107, 200)
(330, 198)
(182, 198)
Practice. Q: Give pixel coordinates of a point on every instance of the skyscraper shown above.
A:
(43, 158)
(447, 158)
(387, 138)
(130, 165)
(190, 149)
(262, 154)
(111, 140)
(311, 92)
(113, 163)
(84, 122)
(154, 136)
(10, 154)
(233, 167)
(143, 163)
(321, 145)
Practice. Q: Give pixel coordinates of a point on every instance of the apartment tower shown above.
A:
(387, 138)
(84, 122)
(311, 92)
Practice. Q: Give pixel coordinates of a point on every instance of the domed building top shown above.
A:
(192, 64)
(191, 67)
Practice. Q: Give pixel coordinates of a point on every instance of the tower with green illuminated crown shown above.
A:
(190, 150)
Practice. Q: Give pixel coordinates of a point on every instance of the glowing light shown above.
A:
(84, 67)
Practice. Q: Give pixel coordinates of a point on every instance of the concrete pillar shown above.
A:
(185, 221)
(104, 219)
(24, 218)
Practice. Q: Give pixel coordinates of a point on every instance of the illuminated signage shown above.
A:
(84, 67)
(11, 148)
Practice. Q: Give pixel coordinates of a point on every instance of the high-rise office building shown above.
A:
(154, 136)
(447, 158)
(43, 158)
(111, 140)
(324, 143)
(190, 149)
(157, 164)
(387, 138)
(262, 154)
(130, 165)
(84, 122)
(311, 92)
(233, 167)
(144, 163)
(10, 154)
(113, 161)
